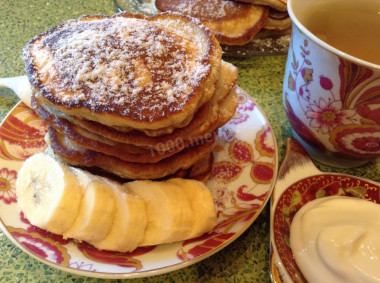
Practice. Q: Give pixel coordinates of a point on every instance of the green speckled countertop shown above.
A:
(247, 258)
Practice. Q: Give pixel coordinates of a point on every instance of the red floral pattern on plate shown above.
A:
(8, 185)
(245, 104)
(208, 243)
(241, 182)
(43, 233)
(40, 246)
(121, 259)
(263, 142)
(21, 134)
(241, 154)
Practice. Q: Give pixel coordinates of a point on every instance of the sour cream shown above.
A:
(337, 239)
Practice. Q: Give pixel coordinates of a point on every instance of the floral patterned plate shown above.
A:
(292, 192)
(242, 179)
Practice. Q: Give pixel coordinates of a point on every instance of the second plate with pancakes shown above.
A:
(244, 28)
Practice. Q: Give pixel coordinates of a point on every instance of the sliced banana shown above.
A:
(128, 226)
(96, 212)
(168, 211)
(111, 216)
(48, 193)
(202, 206)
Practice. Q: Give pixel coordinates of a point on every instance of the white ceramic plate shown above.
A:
(243, 176)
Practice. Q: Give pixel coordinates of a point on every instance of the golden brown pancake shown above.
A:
(79, 156)
(278, 20)
(126, 70)
(232, 23)
(273, 33)
(279, 5)
(200, 171)
(128, 152)
(210, 117)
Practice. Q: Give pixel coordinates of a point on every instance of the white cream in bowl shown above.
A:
(337, 239)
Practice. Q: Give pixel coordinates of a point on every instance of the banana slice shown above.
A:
(202, 206)
(96, 212)
(128, 226)
(168, 211)
(108, 215)
(48, 192)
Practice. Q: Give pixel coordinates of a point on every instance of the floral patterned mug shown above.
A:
(331, 99)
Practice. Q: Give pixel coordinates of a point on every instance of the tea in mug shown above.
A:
(351, 26)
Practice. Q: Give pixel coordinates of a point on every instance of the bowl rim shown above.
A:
(291, 188)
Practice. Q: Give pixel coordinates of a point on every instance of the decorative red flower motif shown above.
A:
(264, 142)
(370, 112)
(367, 144)
(244, 104)
(240, 151)
(223, 199)
(241, 154)
(226, 171)
(315, 190)
(238, 118)
(8, 185)
(238, 213)
(22, 139)
(325, 115)
(262, 172)
(245, 196)
(16, 132)
(42, 247)
(43, 233)
(208, 242)
(357, 140)
(120, 259)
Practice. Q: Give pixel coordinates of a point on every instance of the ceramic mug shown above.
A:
(331, 99)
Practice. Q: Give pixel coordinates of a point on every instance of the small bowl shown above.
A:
(296, 194)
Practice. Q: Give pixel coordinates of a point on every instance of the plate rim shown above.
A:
(166, 269)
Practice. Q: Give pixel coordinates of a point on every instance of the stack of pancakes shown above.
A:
(234, 22)
(133, 96)
(278, 22)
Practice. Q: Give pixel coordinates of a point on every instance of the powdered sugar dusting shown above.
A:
(202, 9)
(128, 66)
